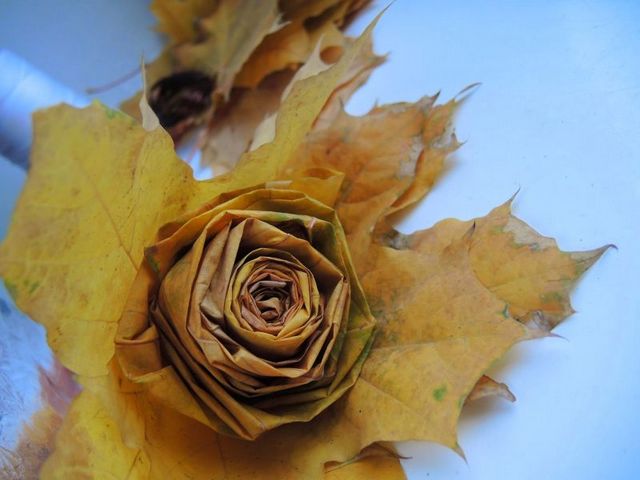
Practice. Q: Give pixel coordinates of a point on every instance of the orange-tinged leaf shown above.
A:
(523, 268)
(309, 23)
(292, 45)
(390, 158)
(325, 28)
(285, 48)
(377, 152)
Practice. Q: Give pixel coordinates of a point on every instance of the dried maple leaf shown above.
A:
(238, 44)
(231, 33)
(317, 26)
(449, 300)
(251, 122)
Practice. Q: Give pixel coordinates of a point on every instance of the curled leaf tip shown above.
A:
(466, 92)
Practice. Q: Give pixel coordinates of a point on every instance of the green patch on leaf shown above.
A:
(440, 392)
(12, 288)
(113, 113)
(154, 263)
(33, 287)
(496, 230)
(551, 297)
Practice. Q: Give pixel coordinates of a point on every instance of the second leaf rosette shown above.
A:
(253, 302)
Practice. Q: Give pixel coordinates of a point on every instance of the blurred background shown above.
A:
(557, 117)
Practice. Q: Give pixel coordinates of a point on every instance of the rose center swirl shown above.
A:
(269, 297)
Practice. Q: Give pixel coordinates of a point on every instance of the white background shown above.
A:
(557, 116)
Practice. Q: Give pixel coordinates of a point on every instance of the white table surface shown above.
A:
(557, 116)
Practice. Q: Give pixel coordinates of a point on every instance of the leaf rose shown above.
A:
(253, 300)
(245, 314)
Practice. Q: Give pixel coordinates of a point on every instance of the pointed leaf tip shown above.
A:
(149, 118)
